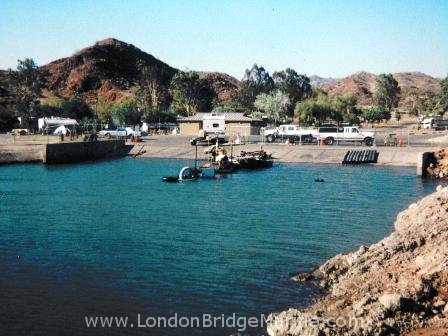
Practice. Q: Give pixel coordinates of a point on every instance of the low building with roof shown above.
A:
(229, 123)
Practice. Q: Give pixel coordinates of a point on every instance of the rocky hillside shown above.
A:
(320, 82)
(362, 86)
(394, 287)
(112, 67)
(225, 86)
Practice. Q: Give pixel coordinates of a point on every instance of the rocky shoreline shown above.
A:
(398, 286)
(438, 168)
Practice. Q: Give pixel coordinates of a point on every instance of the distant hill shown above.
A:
(112, 67)
(321, 81)
(362, 86)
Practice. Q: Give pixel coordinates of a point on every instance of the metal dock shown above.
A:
(360, 156)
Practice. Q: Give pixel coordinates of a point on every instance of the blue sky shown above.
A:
(328, 38)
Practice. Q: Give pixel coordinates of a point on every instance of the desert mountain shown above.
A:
(113, 67)
(110, 68)
(320, 82)
(362, 85)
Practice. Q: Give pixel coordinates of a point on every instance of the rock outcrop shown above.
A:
(396, 286)
(439, 168)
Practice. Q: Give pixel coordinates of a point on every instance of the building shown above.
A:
(231, 124)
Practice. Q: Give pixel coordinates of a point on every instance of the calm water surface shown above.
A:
(110, 239)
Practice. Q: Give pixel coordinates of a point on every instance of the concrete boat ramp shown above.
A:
(173, 147)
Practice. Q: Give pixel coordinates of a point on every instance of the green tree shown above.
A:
(73, 107)
(143, 102)
(255, 81)
(296, 86)
(387, 92)
(316, 110)
(190, 93)
(7, 119)
(26, 84)
(155, 84)
(430, 103)
(444, 95)
(125, 113)
(7, 116)
(274, 104)
(104, 110)
(76, 108)
(228, 106)
(376, 114)
(345, 109)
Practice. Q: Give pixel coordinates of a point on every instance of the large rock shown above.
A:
(392, 302)
(392, 287)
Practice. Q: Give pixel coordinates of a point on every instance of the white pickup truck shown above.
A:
(434, 122)
(332, 134)
(292, 132)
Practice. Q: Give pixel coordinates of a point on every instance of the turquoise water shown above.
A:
(110, 239)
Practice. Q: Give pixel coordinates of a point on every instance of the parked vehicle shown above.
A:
(292, 132)
(44, 123)
(120, 132)
(208, 140)
(329, 135)
(61, 130)
(434, 122)
(20, 131)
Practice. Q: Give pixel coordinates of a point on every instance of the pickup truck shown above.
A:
(119, 132)
(434, 122)
(329, 135)
(292, 132)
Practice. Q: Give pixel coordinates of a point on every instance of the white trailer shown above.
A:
(55, 121)
(214, 123)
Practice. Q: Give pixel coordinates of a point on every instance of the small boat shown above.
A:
(219, 161)
(255, 160)
(185, 174)
(221, 167)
